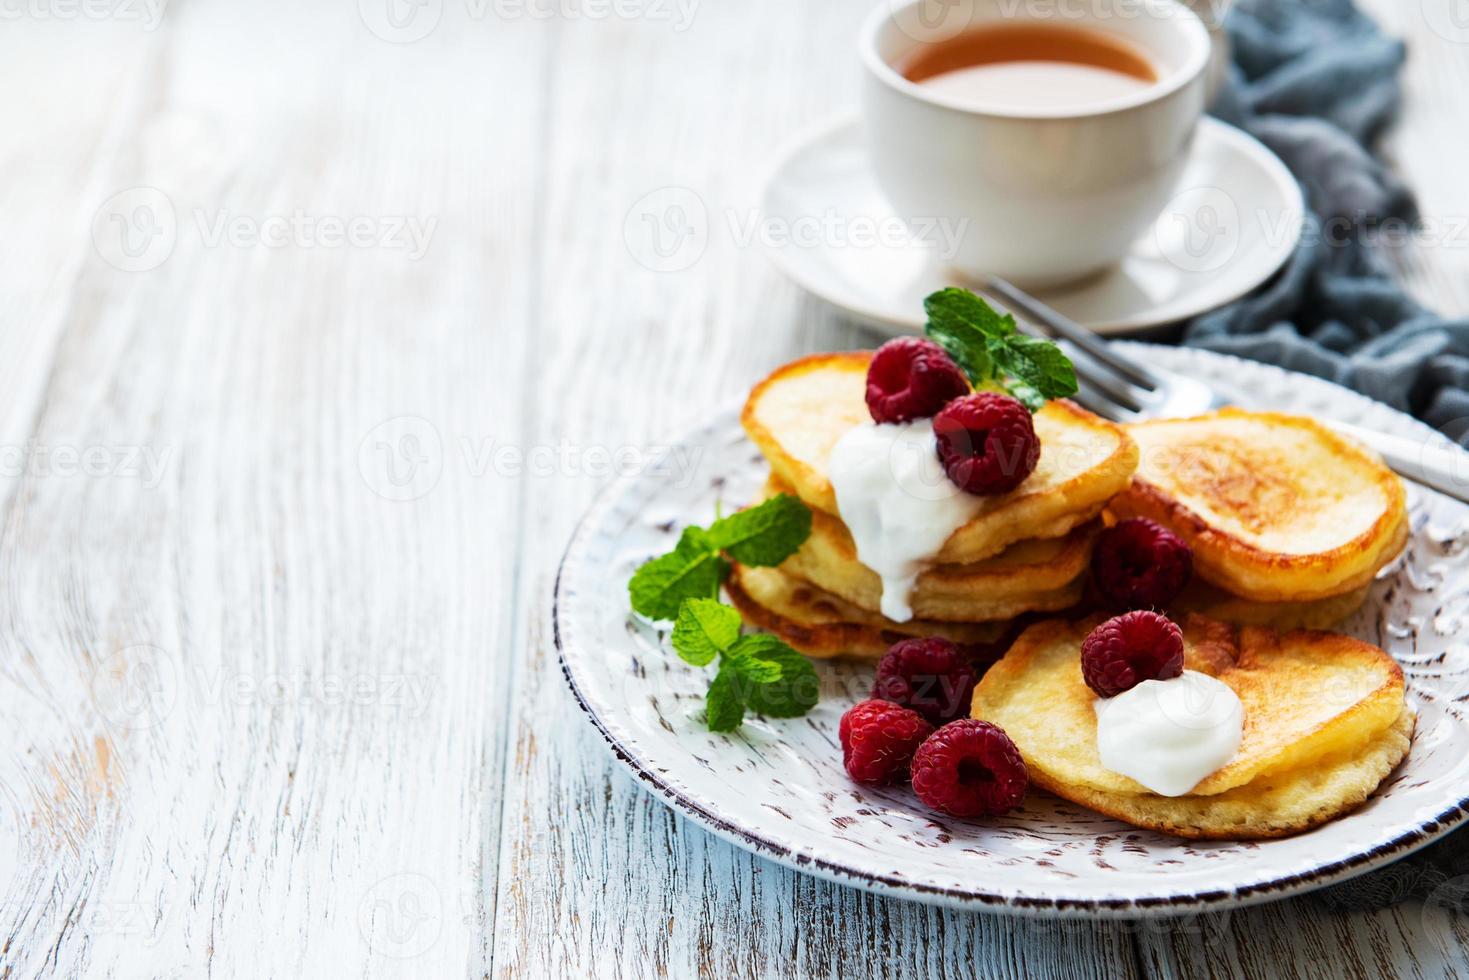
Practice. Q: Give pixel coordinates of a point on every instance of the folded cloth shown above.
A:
(1316, 82)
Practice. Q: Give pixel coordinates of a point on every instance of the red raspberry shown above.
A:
(1129, 649)
(1140, 564)
(911, 378)
(987, 442)
(932, 676)
(878, 740)
(970, 768)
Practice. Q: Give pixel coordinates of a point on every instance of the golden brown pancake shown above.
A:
(1040, 575)
(1320, 711)
(1276, 507)
(1276, 804)
(820, 624)
(798, 413)
(1309, 614)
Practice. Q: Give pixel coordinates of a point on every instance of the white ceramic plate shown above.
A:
(1234, 220)
(778, 788)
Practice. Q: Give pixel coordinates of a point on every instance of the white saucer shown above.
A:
(1235, 219)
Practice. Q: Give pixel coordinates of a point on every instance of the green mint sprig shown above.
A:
(990, 349)
(757, 672)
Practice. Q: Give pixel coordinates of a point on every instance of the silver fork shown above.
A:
(1120, 388)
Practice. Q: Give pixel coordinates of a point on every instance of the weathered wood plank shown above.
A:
(253, 695)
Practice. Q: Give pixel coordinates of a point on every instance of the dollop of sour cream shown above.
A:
(893, 495)
(1169, 735)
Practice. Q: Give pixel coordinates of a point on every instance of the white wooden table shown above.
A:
(314, 344)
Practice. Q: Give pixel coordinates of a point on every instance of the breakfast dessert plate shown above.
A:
(777, 786)
(1233, 221)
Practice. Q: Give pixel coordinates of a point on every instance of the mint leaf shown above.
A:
(797, 689)
(993, 353)
(692, 569)
(1040, 364)
(723, 709)
(704, 629)
(753, 669)
(683, 586)
(766, 534)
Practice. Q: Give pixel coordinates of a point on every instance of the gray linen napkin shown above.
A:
(1316, 81)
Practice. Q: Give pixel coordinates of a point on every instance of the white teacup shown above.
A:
(1047, 195)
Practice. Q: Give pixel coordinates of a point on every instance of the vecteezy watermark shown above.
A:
(137, 229)
(404, 458)
(139, 921)
(136, 687)
(669, 229)
(935, 21)
(1210, 11)
(1199, 229)
(139, 687)
(406, 21)
(41, 460)
(407, 233)
(1445, 916)
(147, 14)
(401, 916)
(401, 458)
(1449, 19)
(405, 693)
(834, 229)
(1202, 229)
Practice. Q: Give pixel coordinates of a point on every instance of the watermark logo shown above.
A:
(832, 229)
(932, 20)
(1199, 230)
(402, 459)
(1446, 913)
(42, 460)
(667, 230)
(135, 230)
(400, 21)
(401, 916)
(406, 21)
(405, 233)
(148, 14)
(135, 688)
(1449, 19)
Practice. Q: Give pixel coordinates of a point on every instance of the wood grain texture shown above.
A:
(276, 661)
(256, 723)
(1426, 144)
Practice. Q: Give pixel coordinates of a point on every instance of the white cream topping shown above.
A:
(893, 495)
(1168, 735)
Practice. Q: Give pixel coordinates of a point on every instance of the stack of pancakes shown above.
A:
(1027, 551)
(1289, 523)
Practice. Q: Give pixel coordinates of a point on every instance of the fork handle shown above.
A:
(1440, 467)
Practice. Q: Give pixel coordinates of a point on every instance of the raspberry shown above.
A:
(1129, 649)
(987, 442)
(932, 676)
(970, 768)
(1140, 564)
(878, 740)
(911, 378)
